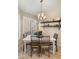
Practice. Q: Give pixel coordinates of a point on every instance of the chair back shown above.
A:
(45, 40)
(35, 41)
(55, 36)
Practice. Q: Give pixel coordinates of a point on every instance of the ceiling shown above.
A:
(51, 8)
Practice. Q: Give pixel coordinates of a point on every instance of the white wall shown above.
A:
(50, 30)
(19, 26)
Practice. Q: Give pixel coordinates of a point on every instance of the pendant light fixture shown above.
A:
(41, 16)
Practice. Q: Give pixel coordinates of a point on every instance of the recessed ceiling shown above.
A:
(52, 8)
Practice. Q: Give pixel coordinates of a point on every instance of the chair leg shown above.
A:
(23, 48)
(26, 48)
(31, 51)
(49, 52)
(56, 48)
(39, 51)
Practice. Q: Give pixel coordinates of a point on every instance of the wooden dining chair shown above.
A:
(35, 44)
(56, 37)
(45, 44)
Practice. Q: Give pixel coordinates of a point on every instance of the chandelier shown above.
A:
(41, 16)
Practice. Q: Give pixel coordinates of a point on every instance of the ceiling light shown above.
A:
(41, 16)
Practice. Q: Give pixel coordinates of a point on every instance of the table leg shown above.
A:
(54, 48)
(25, 47)
(31, 50)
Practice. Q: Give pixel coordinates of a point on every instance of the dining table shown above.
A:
(27, 41)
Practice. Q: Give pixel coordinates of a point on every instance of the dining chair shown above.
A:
(45, 44)
(35, 44)
(56, 37)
